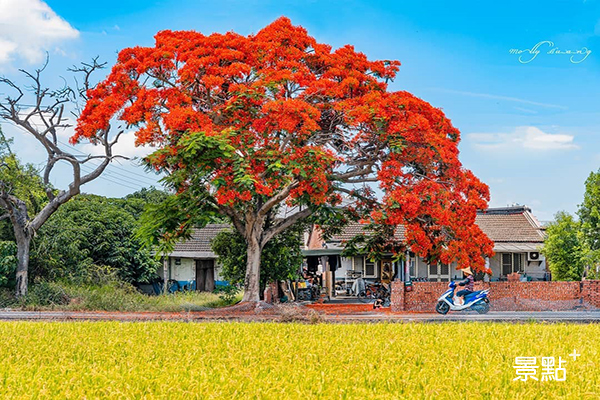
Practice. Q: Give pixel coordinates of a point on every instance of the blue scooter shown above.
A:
(477, 301)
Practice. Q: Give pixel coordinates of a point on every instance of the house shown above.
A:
(518, 238)
(192, 263)
(516, 233)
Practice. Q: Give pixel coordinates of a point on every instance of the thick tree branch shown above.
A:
(363, 170)
(236, 219)
(284, 224)
(276, 199)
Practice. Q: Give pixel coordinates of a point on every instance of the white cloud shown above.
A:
(29, 28)
(124, 147)
(503, 98)
(524, 137)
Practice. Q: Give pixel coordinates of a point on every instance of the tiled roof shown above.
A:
(199, 243)
(511, 225)
(356, 228)
(520, 227)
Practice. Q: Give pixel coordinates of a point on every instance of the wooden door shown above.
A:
(209, 282)
(205, 275)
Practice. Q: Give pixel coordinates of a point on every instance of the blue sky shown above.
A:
(531, 130)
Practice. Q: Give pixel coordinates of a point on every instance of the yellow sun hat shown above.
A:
(467, 270)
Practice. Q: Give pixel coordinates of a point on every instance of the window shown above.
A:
(439, 272)
(444, 269)
(512, 262)
(433, 269)
(369, 268)
(358, 264)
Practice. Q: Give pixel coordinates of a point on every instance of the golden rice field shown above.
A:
(290, 361)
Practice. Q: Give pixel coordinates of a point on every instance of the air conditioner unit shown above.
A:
(533, 256)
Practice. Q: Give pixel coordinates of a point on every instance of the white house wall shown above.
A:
(495, 265)
(186, 271)
(534, 269)
(346, 265)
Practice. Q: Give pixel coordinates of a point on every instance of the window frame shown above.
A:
(438, 277)
(375, 265)
(513, 263)
(360, 264)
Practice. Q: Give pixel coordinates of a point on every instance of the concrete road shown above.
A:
(492, 316)
(546, 316)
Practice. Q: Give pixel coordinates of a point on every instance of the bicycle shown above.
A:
(369, 294)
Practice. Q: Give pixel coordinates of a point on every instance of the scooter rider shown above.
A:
(468, 283)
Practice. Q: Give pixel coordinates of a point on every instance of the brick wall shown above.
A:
(505, 296)
(397, 296)
(590, 291)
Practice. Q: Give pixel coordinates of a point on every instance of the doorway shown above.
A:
(205, 275)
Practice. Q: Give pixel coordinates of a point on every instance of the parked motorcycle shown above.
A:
(477, 301)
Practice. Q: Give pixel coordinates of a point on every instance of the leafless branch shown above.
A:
(45, 117)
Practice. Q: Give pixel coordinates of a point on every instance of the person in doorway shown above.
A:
(468, 283)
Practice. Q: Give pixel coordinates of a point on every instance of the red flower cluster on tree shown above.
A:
(278, 116)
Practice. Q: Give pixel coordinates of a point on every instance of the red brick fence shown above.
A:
(505, 296)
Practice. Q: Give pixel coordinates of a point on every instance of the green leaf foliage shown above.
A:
(8, 262)
(23, 182)
(163, 224)
(589, 212)
(564, 248)
(91, 231)
(20, 181)
(589, 216)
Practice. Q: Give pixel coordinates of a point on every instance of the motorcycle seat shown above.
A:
(472, 295)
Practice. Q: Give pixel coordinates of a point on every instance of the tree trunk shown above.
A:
(252, 281)
(23, 242)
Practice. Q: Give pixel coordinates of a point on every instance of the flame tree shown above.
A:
(246, 124)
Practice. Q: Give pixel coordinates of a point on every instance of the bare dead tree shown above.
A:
(42, 113)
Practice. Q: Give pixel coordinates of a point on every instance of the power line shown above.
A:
(110, 165)
(88, 170)
(122, 174)
(150, 181)
(123, 177)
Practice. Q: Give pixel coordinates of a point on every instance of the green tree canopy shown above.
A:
(92, 231)
(589, 215)
(564, 249)
(20, 180)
